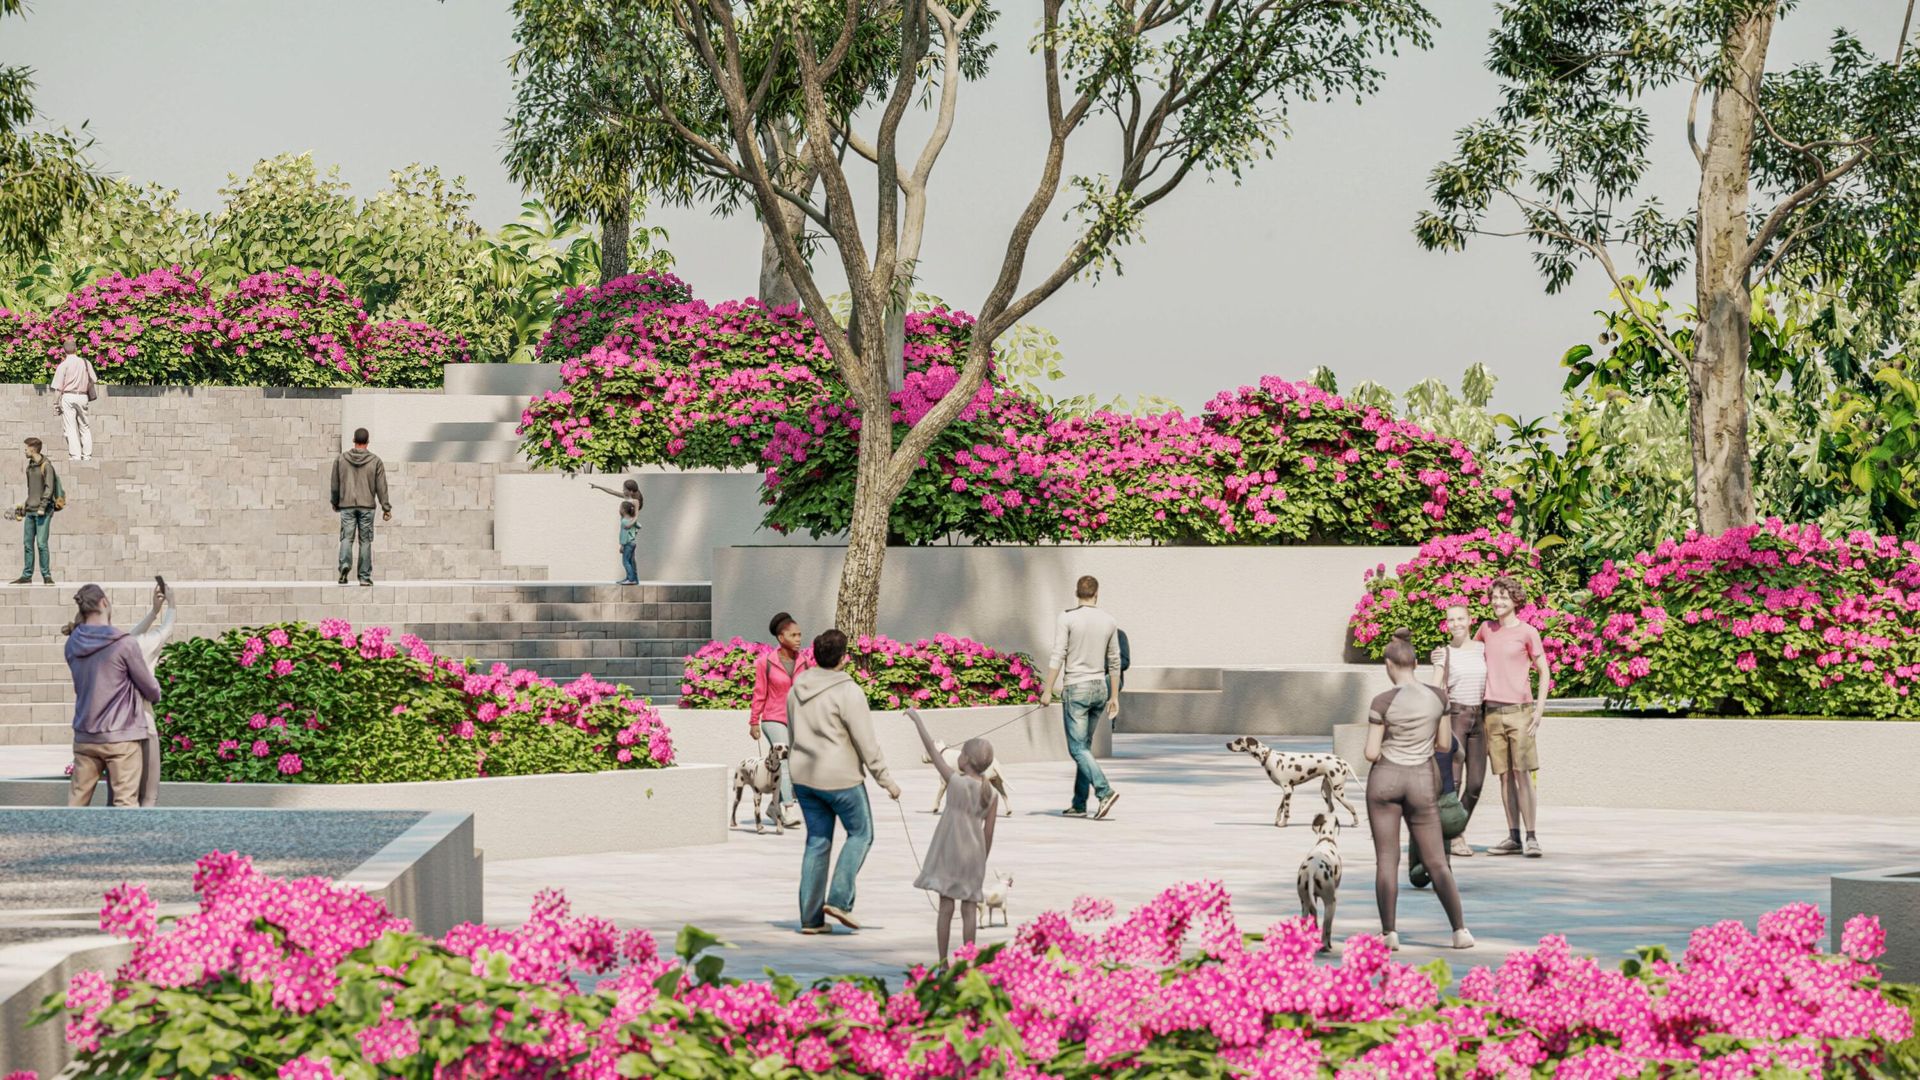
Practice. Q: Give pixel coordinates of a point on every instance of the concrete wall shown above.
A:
(1283, 699)
(719, 736)
(559, 526)
(1194, 606)
(1858, 766)
(430, 874)
(231, 483)
(1894, 895)
(515, 817)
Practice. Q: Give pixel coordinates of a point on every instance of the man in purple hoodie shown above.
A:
(110, 676)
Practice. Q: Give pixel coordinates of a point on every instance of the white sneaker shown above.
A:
(790, 816)
(1393, 940)
(1463, 938)
(1460, 849)
(844, 918)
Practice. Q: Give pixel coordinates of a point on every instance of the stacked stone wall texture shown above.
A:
(231, 484)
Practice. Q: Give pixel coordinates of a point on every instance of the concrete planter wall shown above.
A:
(561, 527)
(1894, 895)
(1657, 763)
(1180, 606)
(719, 736)
(430, 874)
(515, 817)
(1287, 699)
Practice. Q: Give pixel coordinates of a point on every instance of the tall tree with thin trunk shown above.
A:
(1176, 87)
(44, 172)
(1811, 173)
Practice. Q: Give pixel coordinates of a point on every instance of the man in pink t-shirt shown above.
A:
(1513, 711)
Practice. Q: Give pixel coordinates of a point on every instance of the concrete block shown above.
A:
(1894, 895)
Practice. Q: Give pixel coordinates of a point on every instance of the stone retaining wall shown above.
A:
(231, 483)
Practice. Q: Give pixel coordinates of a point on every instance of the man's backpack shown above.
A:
(59, 500)
(1126, 656)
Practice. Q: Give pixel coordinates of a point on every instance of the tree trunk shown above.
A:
(613, 240)
(857, 610)
(776, 285)
(1717, 371)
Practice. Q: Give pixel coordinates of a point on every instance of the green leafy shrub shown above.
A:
(295, 703)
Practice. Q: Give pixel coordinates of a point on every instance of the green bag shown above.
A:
(1453, 822)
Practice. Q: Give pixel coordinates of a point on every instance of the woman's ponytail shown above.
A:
(88, 601)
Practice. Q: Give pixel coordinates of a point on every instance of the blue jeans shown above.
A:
(821, 809)
(356, 523)
(626, 560)
(1082, 705)
(778, 734)
(36, 529)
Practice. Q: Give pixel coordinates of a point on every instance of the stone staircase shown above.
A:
(635, 635)
(470, 421)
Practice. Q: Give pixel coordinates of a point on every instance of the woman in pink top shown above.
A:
(772, 677)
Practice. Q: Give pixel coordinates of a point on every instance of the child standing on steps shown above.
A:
(629, 540)
(956, 866)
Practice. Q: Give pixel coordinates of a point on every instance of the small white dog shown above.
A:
(993, 776)
(1289, 770)
(1319, 877)
(996, 899)
(762, 774)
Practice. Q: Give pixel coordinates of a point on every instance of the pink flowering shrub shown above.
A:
(288, 327)
(1769, 619)
(1450, 570)
(739, 385)
(941, 672)
(589, 313)
(320, 981)
(403, 353)
(291, 327)
(295, 703)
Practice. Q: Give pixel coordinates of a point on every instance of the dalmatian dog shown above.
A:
(1319, 877)
(996, 899)
(1291, 770)
(994, 777)
(762, 775)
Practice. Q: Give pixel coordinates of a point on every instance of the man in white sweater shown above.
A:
(833, 751)
(1086, 655)
(75, 386)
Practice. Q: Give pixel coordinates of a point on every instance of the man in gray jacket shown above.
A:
(359, 483)
(110, 679)
(833, 750)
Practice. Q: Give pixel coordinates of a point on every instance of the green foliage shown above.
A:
(42, 173)
(357, 709)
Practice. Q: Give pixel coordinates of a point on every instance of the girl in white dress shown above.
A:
(956, 864)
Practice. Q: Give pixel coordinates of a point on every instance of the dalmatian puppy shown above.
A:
(994, 777)
(762, 775)
(1291, 770)
(996, 899)
(1319, 877)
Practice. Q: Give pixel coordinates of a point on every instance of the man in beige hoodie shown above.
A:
(833, 751)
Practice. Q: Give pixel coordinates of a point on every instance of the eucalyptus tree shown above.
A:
(1175, 88)
(1809, 174)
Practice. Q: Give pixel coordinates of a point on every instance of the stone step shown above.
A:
(315, 591)
(36, 734)
(672, 620)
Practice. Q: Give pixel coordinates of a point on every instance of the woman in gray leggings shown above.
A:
(1404, 732)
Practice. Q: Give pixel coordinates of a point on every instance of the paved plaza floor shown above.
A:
(1611, 879)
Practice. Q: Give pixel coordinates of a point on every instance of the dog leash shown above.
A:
(901, 809)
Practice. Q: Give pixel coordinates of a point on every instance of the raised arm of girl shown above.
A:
(933, 752)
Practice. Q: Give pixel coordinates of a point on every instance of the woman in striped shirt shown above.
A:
(1462, 664)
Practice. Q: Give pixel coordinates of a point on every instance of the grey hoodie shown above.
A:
(832, 732)
(109, 679)
(360, 481)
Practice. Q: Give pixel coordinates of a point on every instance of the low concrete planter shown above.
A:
(515, 817)
(719, 736)
(1858, 766)
(1283, 699)
(429, 874)
(1894, 895)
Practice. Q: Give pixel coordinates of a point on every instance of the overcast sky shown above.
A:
(1310, 261)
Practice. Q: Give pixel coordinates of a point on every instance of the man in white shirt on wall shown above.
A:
(1086, 654)
(75, 386)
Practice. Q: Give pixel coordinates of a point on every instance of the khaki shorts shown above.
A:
(1508, 743)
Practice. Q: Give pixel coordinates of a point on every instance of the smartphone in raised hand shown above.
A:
(161, 584)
